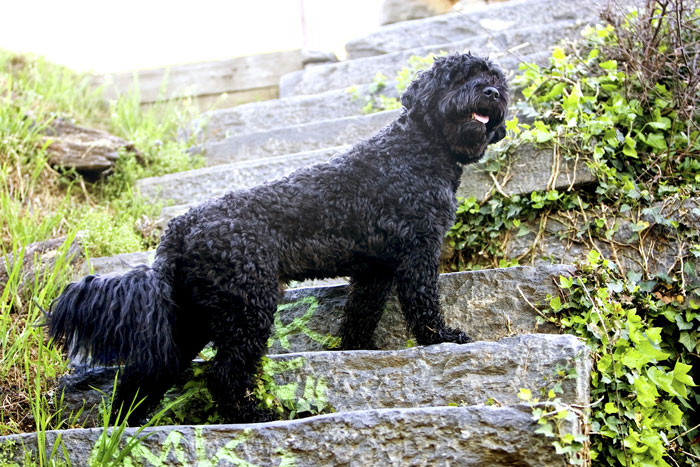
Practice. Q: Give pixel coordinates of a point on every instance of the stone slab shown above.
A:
(437, 375)
(535, 39)
(295, 110)
(531, 170)
(206, 78)
(439, 436)
(440, 375)
(657, 252)
(487, 305)
(195, 186)
(459, 26)
(294, 139)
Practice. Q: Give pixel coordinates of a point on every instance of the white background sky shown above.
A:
(119, 35)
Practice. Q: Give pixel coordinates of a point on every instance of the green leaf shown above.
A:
(609, 65)
(688, 341)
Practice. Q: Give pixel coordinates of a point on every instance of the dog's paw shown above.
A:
(454, 335)
(443, 335)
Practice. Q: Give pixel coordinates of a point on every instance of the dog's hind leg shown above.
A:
(240, 329)
(364, 308)
(417, 289)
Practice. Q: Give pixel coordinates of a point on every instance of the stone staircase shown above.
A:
(401, 405)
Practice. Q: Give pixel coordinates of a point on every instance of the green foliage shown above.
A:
(376, 101)
(644, 337)
(633, 120)
(39, 202)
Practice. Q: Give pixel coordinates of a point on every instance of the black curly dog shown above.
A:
(376, 213)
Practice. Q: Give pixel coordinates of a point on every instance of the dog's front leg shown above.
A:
(366, 300)
(417, 288)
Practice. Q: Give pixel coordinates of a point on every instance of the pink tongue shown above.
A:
(482, 118)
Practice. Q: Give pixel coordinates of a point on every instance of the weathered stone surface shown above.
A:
(655, 249)
(294, 110)
(294, 139)
(206, 78)
(118, 263)
(471, 436)
(394, 11)
(198, 185)
(438, 375)
(487, 305)
(535, 39)
(39, 258)
(531, 169)
(460, 26)
(442, 374)
(83, 149)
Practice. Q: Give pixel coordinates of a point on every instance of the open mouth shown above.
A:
(482, 118)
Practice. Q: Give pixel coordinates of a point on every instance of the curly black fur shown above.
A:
(376, 213)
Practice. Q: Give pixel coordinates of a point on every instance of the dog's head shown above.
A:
(462, 100)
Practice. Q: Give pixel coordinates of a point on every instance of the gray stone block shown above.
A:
(441, 375)
(295, 139)
(195, 186)
(531, 40)
(460, 26)
(487, 305)
(438, 375)
(276, 113)
(531, 170)
(437, 436)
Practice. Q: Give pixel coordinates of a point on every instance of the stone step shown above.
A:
(488, 305)
(294, 139)
(530, 40)
(295, 110)
(437, 375)
(532, 169)
(470, 436)
(195, 186)
(459, 26)
(220, 124)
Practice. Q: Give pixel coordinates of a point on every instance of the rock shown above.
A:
(39, 258)
(295, 139)
(266, 115)
(533, 46)
(657, 253)
(532, 168)
(470, 436)
(118, 263)
(315, 57)
(238, 75)
(437, 375)
(394, 11)
(460, 26)
(198, 185)
(487, 305)
(531, 171)
(83, 149)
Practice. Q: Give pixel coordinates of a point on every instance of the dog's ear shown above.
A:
(498, 134)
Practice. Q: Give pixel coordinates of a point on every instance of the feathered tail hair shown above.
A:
(123, 319)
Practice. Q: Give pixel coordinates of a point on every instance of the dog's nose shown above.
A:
(491, 92)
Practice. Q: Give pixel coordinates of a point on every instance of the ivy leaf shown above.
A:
(680, 373)
(688, 341)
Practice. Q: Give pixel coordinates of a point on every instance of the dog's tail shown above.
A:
(126, 319)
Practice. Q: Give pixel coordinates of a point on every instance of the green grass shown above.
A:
(39, 203)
